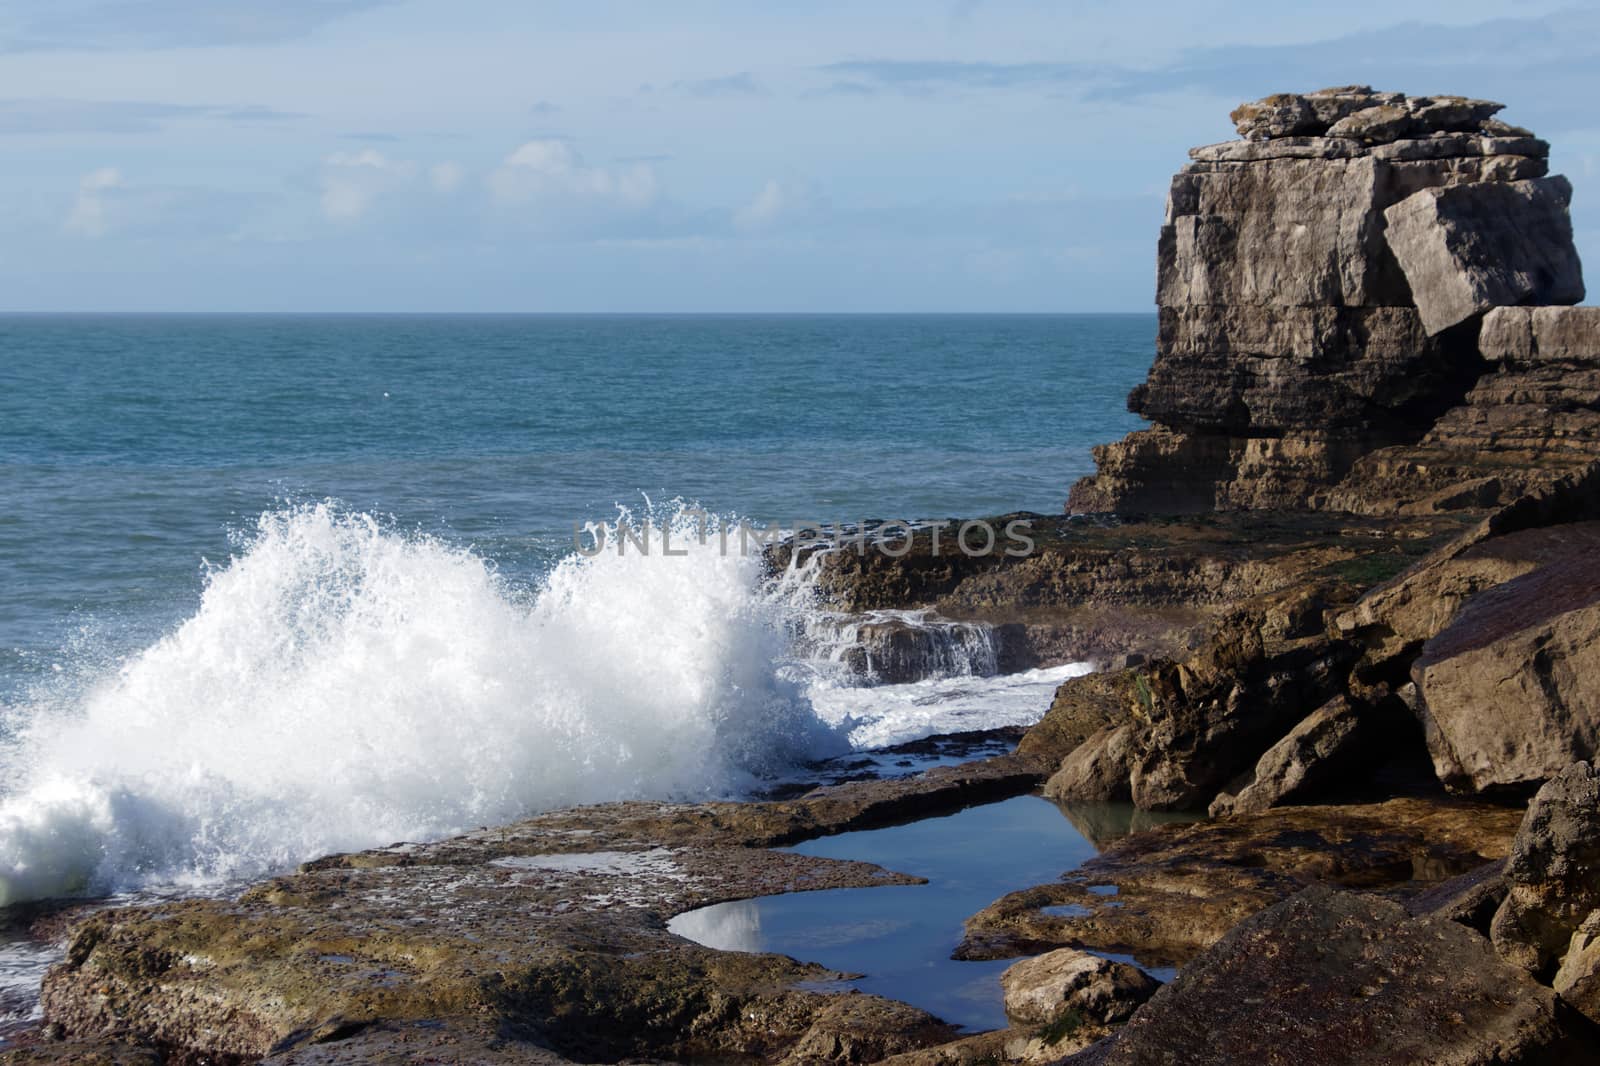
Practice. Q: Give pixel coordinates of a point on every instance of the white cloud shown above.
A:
(549, 170)
(446, 177)
(88, 216)
(777, 202)
(352, 181)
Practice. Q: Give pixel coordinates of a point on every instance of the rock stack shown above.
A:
(1322, 287)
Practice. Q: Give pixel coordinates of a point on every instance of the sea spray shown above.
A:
(342, 685)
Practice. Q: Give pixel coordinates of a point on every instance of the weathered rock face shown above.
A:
(1101, 992)
(1294, 344)
(1510, 692)
(1530, 420)
(1315, 752)
(1355, 111)
(1336, 977)
(1551, 874)
(1469, 248)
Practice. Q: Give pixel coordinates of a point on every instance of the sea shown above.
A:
(278, 586)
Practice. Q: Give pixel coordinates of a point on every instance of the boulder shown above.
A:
(1511, 689)
(1578, 979)
(1314, 754)
(1208, 719)
(1551, 875)
(1097, 770)
(1525, 336)
(1467, 248)
(1101, 992)
(1334, 977)
(1083, 707)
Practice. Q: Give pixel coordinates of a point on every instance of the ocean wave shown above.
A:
(343, 685)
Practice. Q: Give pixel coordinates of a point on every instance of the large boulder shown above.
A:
(1553, 873)
(1334, 977)
(1467, 248)
(1098, 770)
(1511, 689)
(1578, 979)
(1315, 753)
(1101, 992)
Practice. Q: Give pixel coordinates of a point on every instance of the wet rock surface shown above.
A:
(544, 938)
(1166, 894)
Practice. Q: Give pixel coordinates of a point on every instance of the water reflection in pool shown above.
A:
(901, 937)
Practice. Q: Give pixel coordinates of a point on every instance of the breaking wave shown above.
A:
(343, 686)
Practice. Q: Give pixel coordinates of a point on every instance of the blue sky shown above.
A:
(541, 155)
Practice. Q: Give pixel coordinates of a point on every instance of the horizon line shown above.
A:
(615, 314)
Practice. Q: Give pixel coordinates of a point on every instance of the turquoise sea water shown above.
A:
(273, 587)
(131, 446)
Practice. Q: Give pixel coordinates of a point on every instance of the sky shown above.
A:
(697, 155)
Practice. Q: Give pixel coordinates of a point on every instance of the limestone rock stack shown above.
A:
(1321, 286)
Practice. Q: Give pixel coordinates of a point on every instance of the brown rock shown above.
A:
(1101, 992)
(1552, 887)
(1333, 977)
(1578, 980)
(1325, 743)
(1170, 891)
(1098, 770)
(1509, 689)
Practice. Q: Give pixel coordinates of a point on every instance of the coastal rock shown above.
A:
(1336, 977)
(1578, 980)
(1315, 752)
(1250, 371)
(1093, 588)
(1467, 248)
(1320, 284)
(1101, 992)
(894, 651)
(1277, 233)
(1471, 898)
(539, 941)
(1098, 770)
(1083, 707)
(1281, 115)
(1509, 694)
(1357, 111)
(1552, 887)
(1209, 718)
(1170, 891)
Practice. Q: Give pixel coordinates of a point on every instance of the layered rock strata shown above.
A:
(1294, 341)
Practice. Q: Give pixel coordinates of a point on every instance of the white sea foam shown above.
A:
(895, 714)
(343, 686)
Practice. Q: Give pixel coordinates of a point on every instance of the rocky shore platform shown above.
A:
(1345, 591)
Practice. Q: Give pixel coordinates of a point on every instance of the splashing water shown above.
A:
(342, 686)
